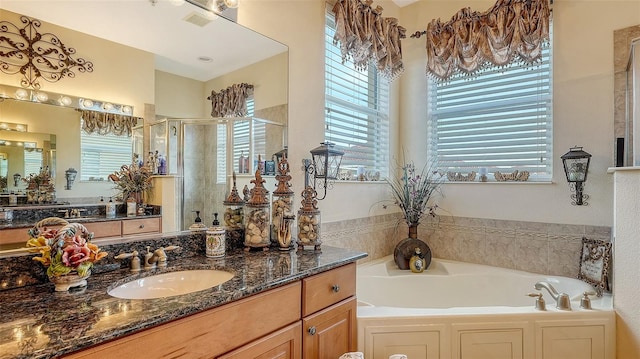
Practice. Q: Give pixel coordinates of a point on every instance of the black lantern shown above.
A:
(325, 166)
(280, 154)
(16, 179)
(70, 176)
(576, 167)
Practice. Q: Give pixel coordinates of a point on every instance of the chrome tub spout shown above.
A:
(562, 299)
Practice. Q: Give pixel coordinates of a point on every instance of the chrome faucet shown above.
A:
(158, 257)
(562, 299)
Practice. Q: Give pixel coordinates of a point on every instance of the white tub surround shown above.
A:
(462, 310)
(626, 249)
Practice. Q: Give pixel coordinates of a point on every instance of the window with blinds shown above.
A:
(356, 110)
(101, 155)
(500, 120)
(239, 130)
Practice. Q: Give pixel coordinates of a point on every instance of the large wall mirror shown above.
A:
(162, 58)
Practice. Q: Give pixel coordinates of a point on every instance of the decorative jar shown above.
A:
(257, 216)
(309, 220)
(233, 217)
(282, 208)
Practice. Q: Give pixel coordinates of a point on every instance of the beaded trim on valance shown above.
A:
(510, 30)
(104, 123)
(232, 101)
(366, 36)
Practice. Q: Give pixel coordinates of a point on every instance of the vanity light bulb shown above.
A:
(65, 101)
(42, 96)
(126, 109)
(22, 94)
(86, 103)
(107, 106)
(20, 128)
(3, 126)
(231, 3)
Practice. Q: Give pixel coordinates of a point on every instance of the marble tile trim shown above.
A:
(546, 248)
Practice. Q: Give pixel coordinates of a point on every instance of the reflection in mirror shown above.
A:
(138, 68)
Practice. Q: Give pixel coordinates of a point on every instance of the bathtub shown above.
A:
(463, 310)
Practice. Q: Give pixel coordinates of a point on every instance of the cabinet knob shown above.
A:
(312, 330)
(335, 288)
(141, 226)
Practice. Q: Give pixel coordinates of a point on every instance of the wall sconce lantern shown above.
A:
(16, 179)
(325, 166)
(280, 154)
(576, 167)
(70, 176)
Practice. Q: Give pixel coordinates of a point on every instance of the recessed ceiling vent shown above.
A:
(197, 19)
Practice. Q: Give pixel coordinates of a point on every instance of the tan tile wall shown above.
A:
(546, 248)
(621, 48)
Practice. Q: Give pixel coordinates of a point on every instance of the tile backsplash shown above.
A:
(546, 248)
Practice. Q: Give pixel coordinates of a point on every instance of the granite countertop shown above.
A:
(40, 323)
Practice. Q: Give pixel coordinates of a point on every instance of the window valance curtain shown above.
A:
(232, 101)
(366, 36)
(107, 123)
(510, 30)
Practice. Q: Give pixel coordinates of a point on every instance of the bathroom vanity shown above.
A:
(297, 304)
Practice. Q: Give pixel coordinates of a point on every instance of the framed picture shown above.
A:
(595, 261)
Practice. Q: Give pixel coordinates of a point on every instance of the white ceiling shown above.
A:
(160, 29)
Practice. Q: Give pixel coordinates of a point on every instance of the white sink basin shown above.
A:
(170, 284)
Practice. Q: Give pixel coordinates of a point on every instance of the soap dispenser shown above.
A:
(215, 240)
(197, 225)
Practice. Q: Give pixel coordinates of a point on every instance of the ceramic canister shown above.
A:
(216, 242)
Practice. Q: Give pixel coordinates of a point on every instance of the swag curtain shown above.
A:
(510, 30)
(232, 101)
(365, 35)
(107, 123)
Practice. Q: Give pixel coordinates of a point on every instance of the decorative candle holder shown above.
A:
(257, 216)
(309, 220)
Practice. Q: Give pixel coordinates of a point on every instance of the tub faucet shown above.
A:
(562, 299)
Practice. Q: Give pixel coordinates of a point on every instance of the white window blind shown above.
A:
(101, 155)
(240, 135)
(356, 109)
(500, 119)
(221, 152)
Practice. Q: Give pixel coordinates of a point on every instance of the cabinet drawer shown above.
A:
(325, 289)
(137, 226)
(104, 229)
(14, 235)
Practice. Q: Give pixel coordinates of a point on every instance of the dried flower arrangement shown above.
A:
(412, 191)
(132, 181)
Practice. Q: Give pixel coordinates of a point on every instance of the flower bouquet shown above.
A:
(66, 251)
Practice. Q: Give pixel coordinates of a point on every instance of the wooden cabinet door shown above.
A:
(331, 332)
(285, 343)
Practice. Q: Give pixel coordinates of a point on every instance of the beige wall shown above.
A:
(268, 77)
(121, 75)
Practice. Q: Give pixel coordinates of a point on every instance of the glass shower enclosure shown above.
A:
(204, 153)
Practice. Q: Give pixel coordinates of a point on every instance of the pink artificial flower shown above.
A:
(79, 240)
(73, 255)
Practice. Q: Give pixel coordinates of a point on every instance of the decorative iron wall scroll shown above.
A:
(34, 55)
